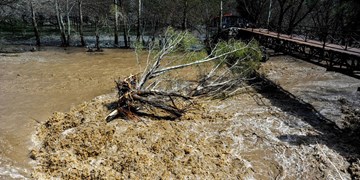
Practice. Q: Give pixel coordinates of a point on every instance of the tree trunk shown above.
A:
(280, 20)
(281, 15)
(139, 22)
(269, 14)
(68, 23)
(60, 23)
(125, 24)
(221, 16)
(81, 24)
(116, 35)
(97, 36)
(125, 34)
(185, 19)
(63, 35)
(34, 22)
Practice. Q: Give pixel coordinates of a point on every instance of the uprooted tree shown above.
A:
(178, 54)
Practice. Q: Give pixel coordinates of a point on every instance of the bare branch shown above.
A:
(158, 72)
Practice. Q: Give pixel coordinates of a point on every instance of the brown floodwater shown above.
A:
(253, 135)
(33, 85)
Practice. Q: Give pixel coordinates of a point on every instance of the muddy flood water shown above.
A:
(36, 84)
(292, 129)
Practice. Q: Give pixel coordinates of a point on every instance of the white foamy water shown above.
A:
(8, 172)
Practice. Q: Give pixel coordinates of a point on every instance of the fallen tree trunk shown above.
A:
(131, 101)
(234, 61)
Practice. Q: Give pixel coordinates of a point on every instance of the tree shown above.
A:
(125, 23)
(81, 22)
(194, 14)
(68, 25)
(299, 11)
(347, 15)
(252, 10)
(34, 23)
(116, 25)
(100, 12)
(284, 6)
(234, 62)
(60, 23)
(8, 3)
(138, 30)
(13, 11)
(185, 16)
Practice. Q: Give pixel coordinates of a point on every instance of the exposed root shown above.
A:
(131, 101)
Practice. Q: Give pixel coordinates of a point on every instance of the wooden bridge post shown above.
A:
(325, 35)
(346, 41)
(324, 44)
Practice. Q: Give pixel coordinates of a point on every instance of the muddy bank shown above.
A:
(261, 133)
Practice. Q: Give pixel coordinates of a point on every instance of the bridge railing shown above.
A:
(346, 40)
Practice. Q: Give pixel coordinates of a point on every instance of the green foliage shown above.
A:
(185, 41)
(189, 42)
(189, 48)
(138, 45)
(194, 56)
(246, 58)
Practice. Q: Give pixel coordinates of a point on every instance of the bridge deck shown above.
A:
(308, 42)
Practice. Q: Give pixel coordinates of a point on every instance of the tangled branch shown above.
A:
(233, 62)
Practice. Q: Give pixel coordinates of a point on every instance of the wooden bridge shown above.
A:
(337, 57)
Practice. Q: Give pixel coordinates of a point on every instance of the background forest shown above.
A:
(123, 21)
